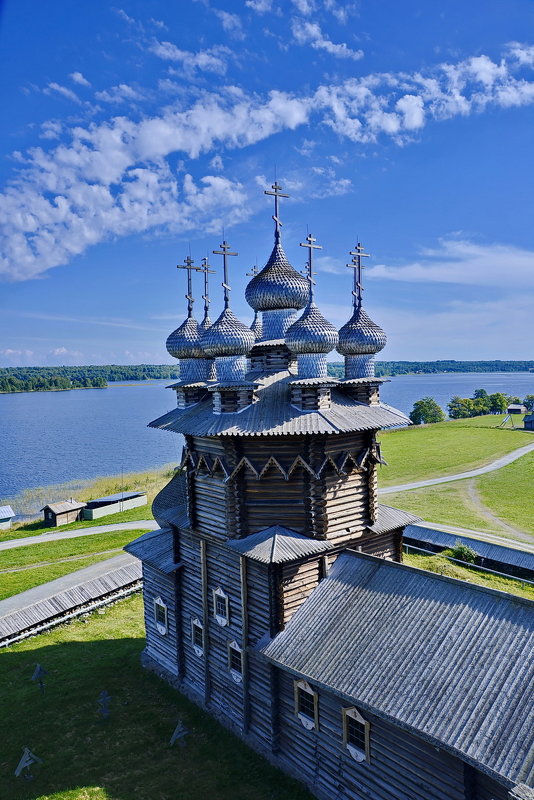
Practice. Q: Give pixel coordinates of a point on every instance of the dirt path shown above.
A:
(484, 511)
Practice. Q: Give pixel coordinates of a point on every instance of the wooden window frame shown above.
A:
(161, 627)
(220, 619)
(310, 723)
(237, 675)
(356, 752)
(196, 623)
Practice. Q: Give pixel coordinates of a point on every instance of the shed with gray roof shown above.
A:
(6, 517)
(63, 513)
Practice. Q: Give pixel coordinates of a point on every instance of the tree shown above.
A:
(426, 411)
(460, 407)
(479, 394)
(498, 403)
(528, 402)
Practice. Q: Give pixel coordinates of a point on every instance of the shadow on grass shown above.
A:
(128, 755)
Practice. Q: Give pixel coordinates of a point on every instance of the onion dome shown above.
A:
(311, 333)
(184, 342)
(278, 285)
(204, 325)
(227, 337)
(360, 335)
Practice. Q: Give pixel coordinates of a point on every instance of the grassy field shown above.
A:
(43, 562)
(431, 451)
(504, 493)
(442, 566)
(127, 756)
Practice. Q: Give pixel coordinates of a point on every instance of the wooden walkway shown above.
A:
(52, 603)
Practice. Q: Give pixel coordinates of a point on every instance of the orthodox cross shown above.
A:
(253, 271)
(310, 244)
(38, 675)
(225, 252)
(277, 194)
(206, 270)
(356, 264)
(188, 265)
(25, 763)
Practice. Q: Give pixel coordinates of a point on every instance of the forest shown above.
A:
(388, 368)
(42, 379)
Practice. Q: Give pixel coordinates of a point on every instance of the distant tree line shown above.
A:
(383, 368)
(40, 379)
(428, 411)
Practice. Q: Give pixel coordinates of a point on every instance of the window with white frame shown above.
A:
(197, 636)
(160, 615)
(306, 705)
(235, 661)
(221, 607)
(356, 734)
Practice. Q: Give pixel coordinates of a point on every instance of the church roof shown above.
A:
(277, 285)
(389, 518)
(170, 505)
(276, 544)
(155, 548)
(274, 415)
(451, 661)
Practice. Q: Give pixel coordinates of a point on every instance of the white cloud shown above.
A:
(231, 23)
(63, 351)
(216, 163)
(259, 6)
(123, 93)
(309, 33)
(213, 59)
(461, 261)
(51, 129)
(62, 90)
(305, 7)
(78, 78)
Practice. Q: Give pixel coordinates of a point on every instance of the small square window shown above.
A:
(306, 705)
(356, 731)
(221, 607)
(235, 661)
(160, 616)
(197, 636)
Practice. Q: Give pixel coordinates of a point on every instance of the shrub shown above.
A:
(462, 552)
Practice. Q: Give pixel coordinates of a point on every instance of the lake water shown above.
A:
(54, 437)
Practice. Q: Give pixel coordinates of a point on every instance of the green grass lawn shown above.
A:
(442, 566)
(431, 451)
(14, 582)
(52, 551)
(129, 755)
(506, 493)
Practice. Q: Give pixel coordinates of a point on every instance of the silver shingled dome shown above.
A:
(227, 337)
(311, 333)
(360, 336)
(184, 342)
(278, 285)
(257, 327)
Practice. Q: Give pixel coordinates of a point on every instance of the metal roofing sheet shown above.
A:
(450, 660)
(277, 544)
(274, 415)
(389, 518)
(6, 511)
(66, 505)
(495, 552)
(42, 603)
(114, 498)
(155, 548)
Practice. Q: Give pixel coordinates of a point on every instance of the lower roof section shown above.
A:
(274, 415)
(449, 660)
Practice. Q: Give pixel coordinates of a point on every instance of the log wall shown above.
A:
(163, 648)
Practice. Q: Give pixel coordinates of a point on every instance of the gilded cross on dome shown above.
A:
(356, 264)
(277, 194)
(310, 244)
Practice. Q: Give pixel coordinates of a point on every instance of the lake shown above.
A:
(54, 437)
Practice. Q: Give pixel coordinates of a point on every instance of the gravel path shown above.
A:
(138, 524)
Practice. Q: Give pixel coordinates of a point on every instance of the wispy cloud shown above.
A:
(78, 78)
(310, 33)
(120, 94)
(62, 90)
(461, 261)
(213, 59)
(231, 23)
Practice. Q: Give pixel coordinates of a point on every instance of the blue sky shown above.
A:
(133, 132)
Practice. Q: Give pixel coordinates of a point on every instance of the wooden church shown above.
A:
(275, 594)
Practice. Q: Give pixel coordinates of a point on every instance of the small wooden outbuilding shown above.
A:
(113, 504)
(528, 422)
(516, 408)
(62, 513)
(6, 517)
